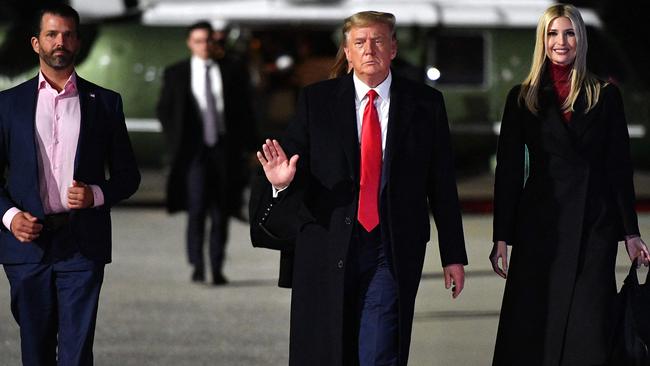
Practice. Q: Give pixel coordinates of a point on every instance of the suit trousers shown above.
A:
(55, 304)
(205, 190)
(371, 314)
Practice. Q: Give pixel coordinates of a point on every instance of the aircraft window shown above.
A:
(459, 59)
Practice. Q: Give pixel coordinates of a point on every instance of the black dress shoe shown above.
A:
(198, 275)
(219, 279)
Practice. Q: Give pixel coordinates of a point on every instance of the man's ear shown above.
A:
(35, 45)
(347, 53)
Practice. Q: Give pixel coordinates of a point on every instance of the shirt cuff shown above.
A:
(98, 195)
(277, 191)
(9, 216)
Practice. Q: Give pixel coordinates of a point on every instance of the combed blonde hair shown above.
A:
(361, 19)
(581, 79)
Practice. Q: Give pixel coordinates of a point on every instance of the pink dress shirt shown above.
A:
(58, 119)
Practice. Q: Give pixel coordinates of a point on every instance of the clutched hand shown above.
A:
(454, 278)
(636, 248)
(80, 195)
(500, 250)
(25, 227)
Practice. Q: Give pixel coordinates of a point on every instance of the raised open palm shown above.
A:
(278, 169)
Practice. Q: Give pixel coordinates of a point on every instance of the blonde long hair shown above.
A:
(361, 19)
(581, 79)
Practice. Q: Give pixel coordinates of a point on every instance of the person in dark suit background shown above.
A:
(564, 219)
(368, 156)
(59, 132)
(240, 101)
(206, 113)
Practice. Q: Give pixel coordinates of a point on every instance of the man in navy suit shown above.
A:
(59, 135)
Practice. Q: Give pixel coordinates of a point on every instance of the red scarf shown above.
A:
(561, 77)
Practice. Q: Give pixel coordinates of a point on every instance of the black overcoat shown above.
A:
(180, 117)
(563, 224)
(418, 178)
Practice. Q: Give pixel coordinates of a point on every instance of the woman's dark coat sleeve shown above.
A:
(509, 176)
(619, 162)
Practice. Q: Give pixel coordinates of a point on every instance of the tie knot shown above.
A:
(372, 94)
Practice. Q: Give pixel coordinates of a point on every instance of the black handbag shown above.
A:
(632, 335)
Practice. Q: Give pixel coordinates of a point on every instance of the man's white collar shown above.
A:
(383, 89)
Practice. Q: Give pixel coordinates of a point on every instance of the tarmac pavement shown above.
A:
(151, 314)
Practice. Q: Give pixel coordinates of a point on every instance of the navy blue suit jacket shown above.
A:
(104, 158)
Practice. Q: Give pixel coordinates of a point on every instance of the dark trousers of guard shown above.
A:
(205, 189)
(370, 310)
(55, 301)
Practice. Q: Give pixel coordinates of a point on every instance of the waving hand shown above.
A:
(278, 169)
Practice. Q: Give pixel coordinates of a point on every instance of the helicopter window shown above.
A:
(458, 59)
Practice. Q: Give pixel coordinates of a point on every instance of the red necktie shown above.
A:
(368, 214)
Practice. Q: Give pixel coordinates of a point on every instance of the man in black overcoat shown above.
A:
(364, 200)
(210, 132)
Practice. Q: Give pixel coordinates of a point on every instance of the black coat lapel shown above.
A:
(88, 107)
(553, 122)
(581, 122)
(344, 113)
(225, 71)
(186, 95)
(399, 118)
(27, 118)
(26, 124)
(551, 114)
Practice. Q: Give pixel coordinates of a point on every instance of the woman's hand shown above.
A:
(500, 250)
(636, 248)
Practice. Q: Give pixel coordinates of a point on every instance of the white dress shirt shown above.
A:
(382, 104)
(197, 73)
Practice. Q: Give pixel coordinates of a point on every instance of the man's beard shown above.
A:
(58, 62)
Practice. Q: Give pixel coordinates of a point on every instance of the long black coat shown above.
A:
(418, 179)
(180, 117)
(563, 225)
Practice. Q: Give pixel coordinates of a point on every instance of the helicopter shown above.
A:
(473, 51)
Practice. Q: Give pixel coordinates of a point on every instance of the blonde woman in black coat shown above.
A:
(564, 216)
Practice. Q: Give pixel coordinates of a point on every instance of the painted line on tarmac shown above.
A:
(451, 315)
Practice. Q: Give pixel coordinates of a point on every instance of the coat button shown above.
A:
(348, 220)
(340, 263)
